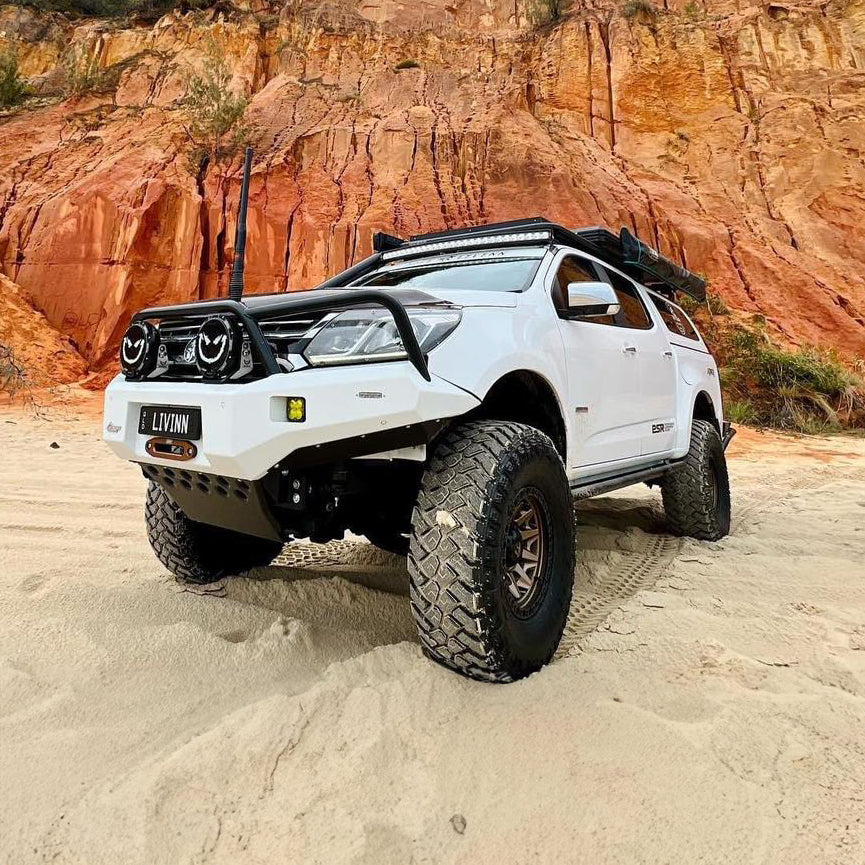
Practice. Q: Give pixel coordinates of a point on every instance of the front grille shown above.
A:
(290, 334)
(178, 336)
(286, 334)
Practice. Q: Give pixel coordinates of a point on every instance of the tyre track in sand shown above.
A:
(622, 550)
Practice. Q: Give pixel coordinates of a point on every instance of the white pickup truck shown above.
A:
(448, 397)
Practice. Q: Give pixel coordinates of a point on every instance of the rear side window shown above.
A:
(633, 312)
(674, 318)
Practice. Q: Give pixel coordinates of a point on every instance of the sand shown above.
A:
(707, 704)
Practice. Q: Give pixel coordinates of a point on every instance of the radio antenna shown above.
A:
(235, 284)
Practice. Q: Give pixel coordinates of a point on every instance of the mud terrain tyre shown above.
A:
(697, 495)
(491, 555)
(197, 553)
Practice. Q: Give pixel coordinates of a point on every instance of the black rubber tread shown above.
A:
(455, 552)
(197, 553)
(687, 492)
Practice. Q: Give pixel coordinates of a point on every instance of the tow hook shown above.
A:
(170, 449)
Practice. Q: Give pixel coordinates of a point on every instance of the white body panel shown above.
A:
(626, 396)
(698, 373)
(244, 430)
(606, 430)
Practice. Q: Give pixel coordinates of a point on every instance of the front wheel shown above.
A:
(195, 552)
(491, 556)
(697, 493)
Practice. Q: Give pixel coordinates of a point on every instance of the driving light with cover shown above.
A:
(217, 347)
(367, 335)
(138, 349)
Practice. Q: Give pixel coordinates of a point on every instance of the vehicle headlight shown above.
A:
(362, 335)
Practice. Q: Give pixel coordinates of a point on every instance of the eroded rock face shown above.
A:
(44, 356)
(730, 137)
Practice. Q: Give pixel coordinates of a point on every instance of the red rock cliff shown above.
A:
(730, 135)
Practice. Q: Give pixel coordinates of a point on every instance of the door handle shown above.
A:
(629, 349)
(668, 354)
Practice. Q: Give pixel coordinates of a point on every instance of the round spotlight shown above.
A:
(217, 347)
(138, 349)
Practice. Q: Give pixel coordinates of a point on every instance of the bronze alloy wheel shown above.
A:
(713, 482)
(526, 543)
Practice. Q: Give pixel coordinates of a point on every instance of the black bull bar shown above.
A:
(323, 300)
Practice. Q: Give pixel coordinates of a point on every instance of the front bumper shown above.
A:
(245, 430)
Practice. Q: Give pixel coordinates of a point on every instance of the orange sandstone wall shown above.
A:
(731, 135)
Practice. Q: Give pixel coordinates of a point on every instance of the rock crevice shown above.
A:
(729, 137)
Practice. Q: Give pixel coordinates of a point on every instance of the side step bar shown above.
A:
(588, 489)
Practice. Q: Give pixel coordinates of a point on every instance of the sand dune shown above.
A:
(707, 704)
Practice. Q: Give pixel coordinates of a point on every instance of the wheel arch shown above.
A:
(704, 409)
(525, 396)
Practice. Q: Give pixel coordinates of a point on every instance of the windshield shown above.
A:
(498, 270)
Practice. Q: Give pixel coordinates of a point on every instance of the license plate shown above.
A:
(170, 420)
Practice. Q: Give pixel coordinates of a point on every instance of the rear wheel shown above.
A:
(697, 494)
(195, 552)
(491, 557)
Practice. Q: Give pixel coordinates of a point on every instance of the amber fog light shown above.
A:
(138, 349)
(295, 409)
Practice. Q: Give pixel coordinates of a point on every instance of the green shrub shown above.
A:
(213, 115)
(13, 90)
(147, 9)
(741, 411)
(693, 11)
(634, 8)
(716, 304)
(543, 12)
(807, 390)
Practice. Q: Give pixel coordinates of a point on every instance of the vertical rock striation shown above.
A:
(731, 136)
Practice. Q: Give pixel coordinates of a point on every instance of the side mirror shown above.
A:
(591, 298)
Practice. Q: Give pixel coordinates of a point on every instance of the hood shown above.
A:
(465, 297)
(408, 297)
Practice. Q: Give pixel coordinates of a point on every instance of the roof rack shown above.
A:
(623, 251)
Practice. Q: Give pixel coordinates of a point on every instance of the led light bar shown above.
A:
(492, 240)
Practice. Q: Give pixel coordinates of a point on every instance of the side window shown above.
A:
(674, 318)
(572, 269)
(633, 312)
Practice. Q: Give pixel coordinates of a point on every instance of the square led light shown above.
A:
(295, 409)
